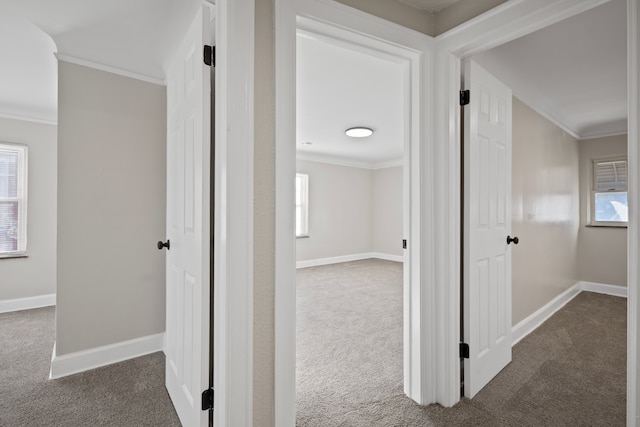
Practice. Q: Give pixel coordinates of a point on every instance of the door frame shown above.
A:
(344, 24)
(233, 212)
(500, 25)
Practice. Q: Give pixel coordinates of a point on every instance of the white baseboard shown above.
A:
(601, 288)
(80, 361)
(528, 325)
(27, 303)
(346, 258)
(387, 257)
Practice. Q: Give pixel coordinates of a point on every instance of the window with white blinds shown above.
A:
(609, 204)
(13, 200)
(302, 205)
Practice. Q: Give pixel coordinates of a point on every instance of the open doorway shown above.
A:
(567, 126)
(350, 209)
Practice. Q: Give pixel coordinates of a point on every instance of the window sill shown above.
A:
(14, 255)
(303, 236)
(607, 225)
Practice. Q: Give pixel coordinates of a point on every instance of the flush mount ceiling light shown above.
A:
(359, 132)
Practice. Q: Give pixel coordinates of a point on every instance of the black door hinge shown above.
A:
(210, 55)
(465, 97)
(207, 400)
(404, 243)
(464, 350)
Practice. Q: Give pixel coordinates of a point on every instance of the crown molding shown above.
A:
(348, 162)
(31, 119)
(110, 69)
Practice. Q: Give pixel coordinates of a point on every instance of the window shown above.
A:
(13, 200)
(609, 192)
(302, 205)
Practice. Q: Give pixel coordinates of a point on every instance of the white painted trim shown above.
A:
(28, 119)
(603, 135)
(233, 233)
(81, 361)
(633, 252)
(528, 325)
(507, 22)
(109, 69)
(547, 116)
(27, 303)
(531, 323)
(602, 288)
(387, 257)
(347, 258)
(341, 161)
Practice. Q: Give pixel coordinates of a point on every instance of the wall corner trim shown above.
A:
(81, 361)
(27, 303)
(531, 323)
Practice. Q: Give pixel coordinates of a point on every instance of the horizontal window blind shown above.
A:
(610, 175)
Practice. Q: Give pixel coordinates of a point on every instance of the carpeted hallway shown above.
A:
(570, 371)
(129, 393)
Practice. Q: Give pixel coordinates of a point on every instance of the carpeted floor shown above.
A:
(569, 372)
(129, 393)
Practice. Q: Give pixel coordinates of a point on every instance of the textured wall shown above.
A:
(545, 200)
(602, 250)
(36, 274)
(111, 208)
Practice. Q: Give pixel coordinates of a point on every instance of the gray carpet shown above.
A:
(129, 393)
(569, 372)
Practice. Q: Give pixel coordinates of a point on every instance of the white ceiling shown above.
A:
(134, 36)
(574, 72)
(339, 88)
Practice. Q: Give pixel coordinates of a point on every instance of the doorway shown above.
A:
(350, 209)
(412, 50)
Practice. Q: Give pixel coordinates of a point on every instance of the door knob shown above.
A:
(166, 244)
(510, 239)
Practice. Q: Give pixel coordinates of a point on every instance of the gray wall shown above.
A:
(36, 274)
(351, 211)
(111, 208)
(387, 211)
(545, 201)
(432, 24)
(602, 250)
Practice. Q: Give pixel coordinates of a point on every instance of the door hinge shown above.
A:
(404, 243)
(207, 400)
(464, 350)
(210, 55)
(465, 97)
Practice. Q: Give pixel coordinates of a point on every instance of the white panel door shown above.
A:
(188, 224)
(487, 223)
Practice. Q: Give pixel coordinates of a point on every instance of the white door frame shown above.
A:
(500, 25)
(344, 24)
(233, 213)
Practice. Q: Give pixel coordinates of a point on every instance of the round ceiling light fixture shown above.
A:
(359, 132)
